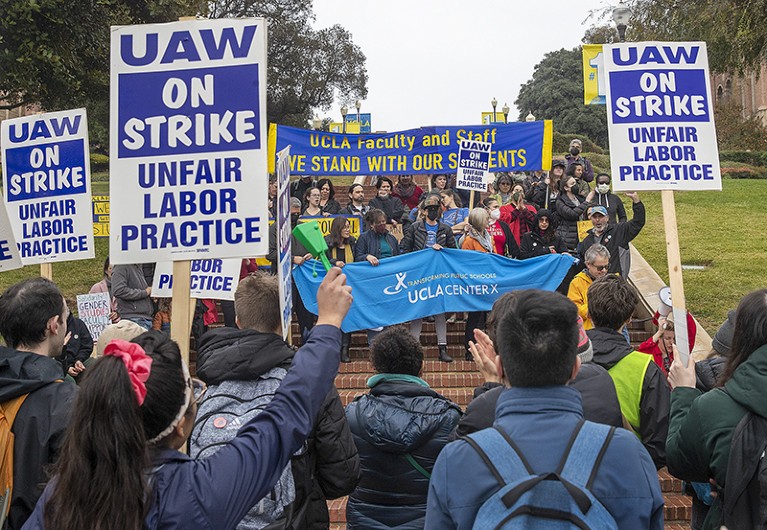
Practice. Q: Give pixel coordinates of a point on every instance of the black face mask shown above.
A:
(294, 219)
(432, 213)
(574, 151)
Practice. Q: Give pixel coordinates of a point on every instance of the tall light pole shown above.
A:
(358, 104)
(621, 17)
(505, 110)
(344, 112)
(494, 103)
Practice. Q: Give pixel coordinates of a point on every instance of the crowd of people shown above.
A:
(570, 423)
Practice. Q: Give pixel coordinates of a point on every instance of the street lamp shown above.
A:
(316, 124)
(344, 112)
(529, 117)
(505, 110)
(494, 103)
(621, 17)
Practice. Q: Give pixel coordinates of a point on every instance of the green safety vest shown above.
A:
(628, 376)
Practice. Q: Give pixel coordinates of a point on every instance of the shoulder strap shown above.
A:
(418, 467)
(582, 459)
(493, 446)
(11, 408)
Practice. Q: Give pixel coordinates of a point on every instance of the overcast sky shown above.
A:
(441, 62)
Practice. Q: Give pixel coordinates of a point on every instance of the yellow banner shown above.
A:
(487, 118)
(100, 205)
(593, 75)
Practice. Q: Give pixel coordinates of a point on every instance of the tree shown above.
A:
(734, 132)
(556, 93)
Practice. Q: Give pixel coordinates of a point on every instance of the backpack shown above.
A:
(8, 411)
(558, 499)
(745, 494)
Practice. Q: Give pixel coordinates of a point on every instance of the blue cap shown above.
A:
(598, 209)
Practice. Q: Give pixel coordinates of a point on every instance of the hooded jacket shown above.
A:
(616, 212)
(129, 289)
(617, 238)
(610, 347)
(396, 419)
(701, 425)
(39, 426)
(250, 365)
(415, 237)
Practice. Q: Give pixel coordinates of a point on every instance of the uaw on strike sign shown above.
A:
(188, 141)
(660, 117)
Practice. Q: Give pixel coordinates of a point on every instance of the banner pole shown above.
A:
(46, 270)
(675, 274)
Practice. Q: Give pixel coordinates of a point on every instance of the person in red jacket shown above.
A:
(519, 215)
(660, 345)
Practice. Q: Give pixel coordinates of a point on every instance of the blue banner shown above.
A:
(518, 146)
(429, 282)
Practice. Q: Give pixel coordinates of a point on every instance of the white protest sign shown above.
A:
(473, 165)
(94, 310)
(9, 252)
(211, 278)
(284, 228)
(47, 186)
(188, 141)
(660, 117)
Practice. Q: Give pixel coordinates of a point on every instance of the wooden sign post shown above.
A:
(182, 307)
(675, 279)
(46, 270)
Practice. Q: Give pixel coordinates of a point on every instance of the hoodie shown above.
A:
(39, 426)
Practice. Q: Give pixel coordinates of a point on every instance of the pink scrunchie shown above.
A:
(136, 361)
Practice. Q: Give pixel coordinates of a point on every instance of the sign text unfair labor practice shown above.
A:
(188, 141)
(660, 117)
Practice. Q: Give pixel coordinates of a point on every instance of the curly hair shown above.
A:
(395, 351)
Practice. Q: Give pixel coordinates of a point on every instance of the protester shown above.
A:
(615, 237)
(532, 181)
(356, 205)
(505, 244)
(130, 289)
(519, 215)
(391, 206)
(503, 189)
(136, 410)
(328, 204)
(430, 233)
(105, 286)
(642, 389)
(702, 426)
(454, 215)
(242, 369)
(407, 191)
(399, 427)
(123, 330)
(340, 251)
(709, 371)
(272, 196)
(312, 206)
(247, 266)
(546, 196)
(616, 212)
(298, 187)
(538, 341)
(597, 261)
(542, 240)
(479, 239)
(76, 354)
(570, 208)
(661, 344)
(576, 146)
(162, 318)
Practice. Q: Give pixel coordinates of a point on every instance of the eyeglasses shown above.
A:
(199, 388)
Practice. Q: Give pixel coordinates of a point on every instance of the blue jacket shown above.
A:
(540, 421)
(216, 493)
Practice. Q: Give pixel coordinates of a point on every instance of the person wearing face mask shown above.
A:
(542, 240)
(505, 244)
(384, 200)
(429, 232)
(616, 212)
(570, 208)
(519, 215)
(576, 146)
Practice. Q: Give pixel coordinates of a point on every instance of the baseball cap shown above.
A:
(598, 209)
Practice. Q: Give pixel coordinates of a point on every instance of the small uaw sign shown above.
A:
(285, 254)
(473, 165)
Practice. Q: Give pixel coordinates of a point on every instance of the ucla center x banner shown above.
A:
(518, 146)
(429, 282)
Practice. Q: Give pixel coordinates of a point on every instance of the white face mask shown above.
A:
(603, 188)
(495, 214)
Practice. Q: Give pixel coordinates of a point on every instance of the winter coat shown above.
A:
(540, 421)
(616, 212)
(533, 245)
(600, 402)
(39, 426)
(250, 366)
(217, 492)
(129, 289)
(348, 251)
(331, 207)
(610, 347)
(617, 238)
(80, 345)
(391, 206)
(369, 245)
(588, 170)
(701, 425)
(416, 236)
(396, 419)
(351, 210)
(568, 215)
(708, 372)
(520, 221)
(543, 197)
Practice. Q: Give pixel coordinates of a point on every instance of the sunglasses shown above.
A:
(601, 268)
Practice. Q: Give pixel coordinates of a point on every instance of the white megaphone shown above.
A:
(664, 307)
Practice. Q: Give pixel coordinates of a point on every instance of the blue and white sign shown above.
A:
(188, 141)
(364, 121)
(473, 165)
(284, 252)
(660, 117)
(427, 282)
(9, 251)
(211, 278)
(47, 186)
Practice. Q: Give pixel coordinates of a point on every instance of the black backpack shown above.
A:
(745, 494)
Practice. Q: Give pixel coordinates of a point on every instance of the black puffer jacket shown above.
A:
(330, 467)
(394, 420)
(415, 237)
(533, 245)
(617, 238)
(568, 215)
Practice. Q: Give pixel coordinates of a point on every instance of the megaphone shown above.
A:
(664, 307)
(309, 235)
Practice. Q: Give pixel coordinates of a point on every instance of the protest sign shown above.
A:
(423, 283)
(593, 75)
(325, 223)
(100, 205)
(210, 278)
(660, 117)
(518, 146)
(284, 229)
(47, 186)
(94, 310)
(473, 165)
(363, 122)
(9, 251)
(188, 140)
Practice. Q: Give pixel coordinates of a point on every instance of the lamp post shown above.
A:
(505, 110)
(344, 112)
(621, 17)
(316, 124)
(529, 117)
(494, 103)
(358, 105)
